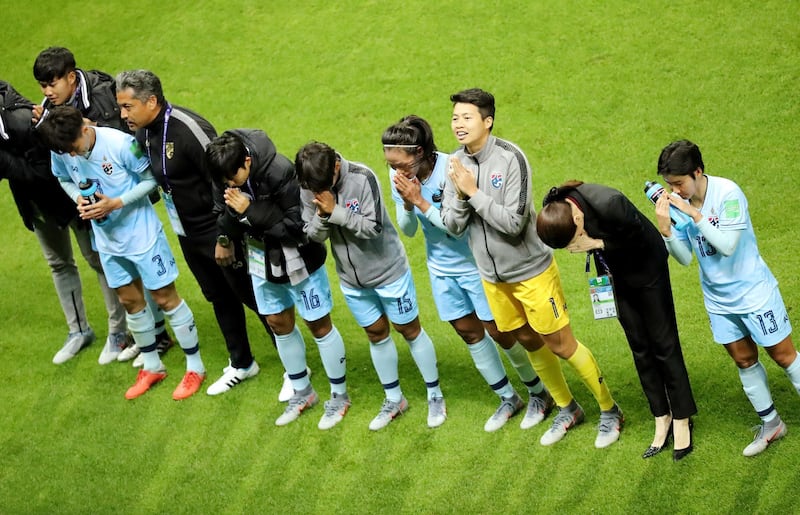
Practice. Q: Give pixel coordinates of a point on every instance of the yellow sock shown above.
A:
(548, 366)
(586, 366)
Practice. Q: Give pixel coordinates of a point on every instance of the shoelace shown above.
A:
(334, 406)
(564, 418)
(389, 407)
(607, 422)
(537, 404)
(297, 401)
(505, 409)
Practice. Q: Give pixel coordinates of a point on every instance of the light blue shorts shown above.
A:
(312, 296)
(397, 300)
(458, 296)
(156, 266)
(768, 326)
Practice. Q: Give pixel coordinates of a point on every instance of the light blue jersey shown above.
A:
(115, 162)
(741, 282)
(448, 255)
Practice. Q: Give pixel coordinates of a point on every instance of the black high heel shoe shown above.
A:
(653, 450)
(679, 454)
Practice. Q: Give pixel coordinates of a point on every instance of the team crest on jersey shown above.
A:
(170, 149)
(108, 169)
(352, 205)
(497, 180)
(714, 218)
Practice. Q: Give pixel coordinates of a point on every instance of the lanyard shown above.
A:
(602, 261)
(167, 113)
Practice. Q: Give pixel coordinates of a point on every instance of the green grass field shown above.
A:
(590, 90)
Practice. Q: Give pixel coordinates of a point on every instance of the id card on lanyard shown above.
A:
(169, 202)
(256, 258)
(601, 290)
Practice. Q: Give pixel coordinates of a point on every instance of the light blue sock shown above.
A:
(181, 319)
(292, 351)
(487, 361)
(425, 357)
(754, 381)
(158, 315)
(143, 331)
(793, 371)
(384, 359)
(519, 359)
(331, 352)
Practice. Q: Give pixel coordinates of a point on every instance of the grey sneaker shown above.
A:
(565, 420)
(609, 427)
(764, 438)
(115, 344)
(74, 343)
(539, 406)
(335, 410)
(390, 410)
(437, 412)
(508, 408)
(297, 404)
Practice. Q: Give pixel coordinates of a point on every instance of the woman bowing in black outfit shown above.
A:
(597, 219)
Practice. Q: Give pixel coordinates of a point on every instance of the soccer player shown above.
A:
(175, 139)
(489, 194)
(418, 173)
(287, 270)
(342, 202)
(741, 295)
(50, 214)
(128, 235)
(93, 94)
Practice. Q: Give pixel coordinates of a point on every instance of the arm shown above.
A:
(456, 212)
(365, 223)
(723, 241)
(316, 227)
(679, 249)
(71, 189)
(510, 216)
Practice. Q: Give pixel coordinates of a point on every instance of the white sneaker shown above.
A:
(115, 344)
(437, 412)
(128, 353)
(232, 377)
(74, 343)
(139, 361)
(763, 438)
(297, 404)
(287, 390)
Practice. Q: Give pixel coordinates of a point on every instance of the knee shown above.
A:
(409, 331)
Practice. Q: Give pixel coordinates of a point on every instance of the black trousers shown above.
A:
(228, 289)
(647, 315)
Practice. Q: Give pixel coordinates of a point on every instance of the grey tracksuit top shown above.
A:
(500, 218)
(365, 244)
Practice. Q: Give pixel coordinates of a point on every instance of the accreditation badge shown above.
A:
(172, 214)
(601, 291)
(256, 258)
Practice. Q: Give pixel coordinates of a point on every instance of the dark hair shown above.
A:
(554, 223)
(224, 155)
(680, 158)
(481, 99)
(60, 128)
(315, 164)
(144, 83)
(53, 63)
(412, 130)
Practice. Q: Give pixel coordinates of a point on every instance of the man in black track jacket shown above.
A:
(175, 140)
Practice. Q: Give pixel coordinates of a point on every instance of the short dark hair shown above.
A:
(409, 131)
(144, 84)
(554, 223)
(680, 157)
(60, 128)
(481, 99)
(224, 155)
(315, 164)
(53, 63)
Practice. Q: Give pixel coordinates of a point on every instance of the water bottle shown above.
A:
(654, 190)
(88, 190)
